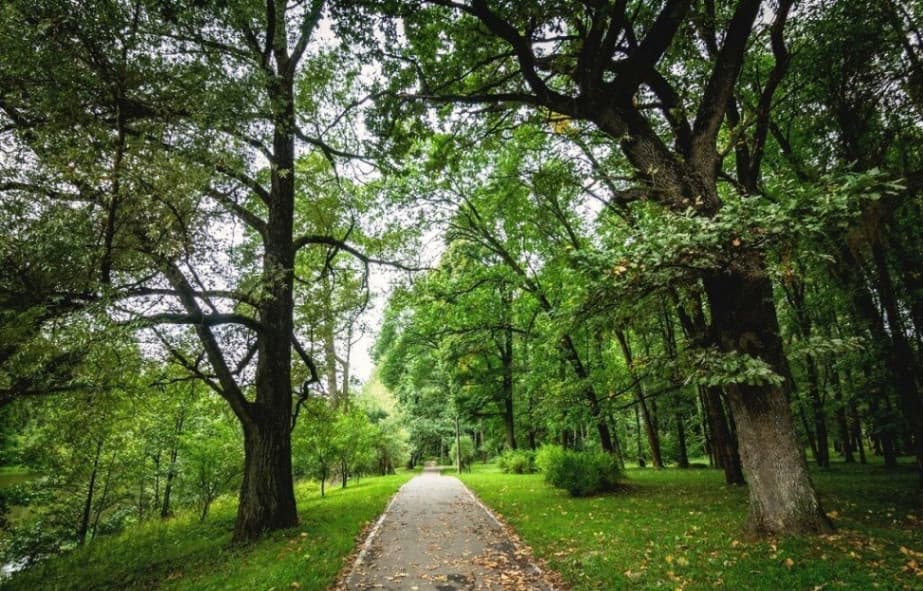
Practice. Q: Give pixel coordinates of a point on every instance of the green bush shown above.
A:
(580, 473)
(517, 462)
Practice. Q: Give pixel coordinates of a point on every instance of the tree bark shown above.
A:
(782, 496)
(267, 497)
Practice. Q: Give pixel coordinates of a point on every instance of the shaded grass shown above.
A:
(184, 555)
(681, 529)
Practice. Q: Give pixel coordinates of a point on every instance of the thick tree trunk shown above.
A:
(782, 496)
(267, 497)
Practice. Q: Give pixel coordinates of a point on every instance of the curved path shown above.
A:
(436, 536)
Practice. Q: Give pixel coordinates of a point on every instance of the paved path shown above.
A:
(435, 536)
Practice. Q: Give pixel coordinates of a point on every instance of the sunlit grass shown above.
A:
(680, 529)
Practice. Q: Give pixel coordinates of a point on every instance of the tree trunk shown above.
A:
(267, 497)
(822, 449)
(903, 361)
(638, 437)
(267, 494)
(723, 439)
(650, 428)
(589, 394)
(842, 424)
(458, 449)
(84, 526)
(882, 429)
(808, 432)
(856, 430)
(171, 469)
(101, 506)
(782, 496)
(682, 457)
(506, 357)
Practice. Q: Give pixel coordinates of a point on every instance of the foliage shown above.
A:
(468, 452)
(517, 462)
(581, 473)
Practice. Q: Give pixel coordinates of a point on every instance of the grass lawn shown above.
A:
(183, 554)
(680, 529)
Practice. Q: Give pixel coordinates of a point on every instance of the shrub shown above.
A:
(517, 462)
(580, 473)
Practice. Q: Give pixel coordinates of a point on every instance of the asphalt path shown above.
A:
(436, 536)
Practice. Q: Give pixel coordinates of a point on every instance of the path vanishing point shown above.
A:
(436, 536)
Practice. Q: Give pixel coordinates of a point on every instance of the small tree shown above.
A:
(315, 442)
(354, 437)
(467, 452)
(211, 457)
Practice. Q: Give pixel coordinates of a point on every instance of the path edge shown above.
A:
(345, 577)
(536, 564)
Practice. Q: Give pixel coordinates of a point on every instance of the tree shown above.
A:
(602, 64)
(178, 118)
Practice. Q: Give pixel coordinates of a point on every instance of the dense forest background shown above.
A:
(682, 233)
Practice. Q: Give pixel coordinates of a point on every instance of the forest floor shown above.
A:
(435, 536)
(681, 529)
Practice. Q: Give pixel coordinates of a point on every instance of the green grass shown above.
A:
(681, 529)
(184, 555)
